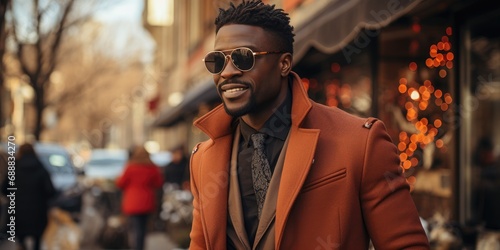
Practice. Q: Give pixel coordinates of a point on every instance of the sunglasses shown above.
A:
(242, 58)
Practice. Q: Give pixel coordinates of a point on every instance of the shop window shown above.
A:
(480, 114)
(415, 99)
(342, 80)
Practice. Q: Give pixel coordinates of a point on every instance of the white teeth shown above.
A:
(234, 90)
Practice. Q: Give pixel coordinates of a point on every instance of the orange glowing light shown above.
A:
(448, 99)
(423, 105)
(422, 89)
(444, 39)
(413, 139)
(427, 83)
(442, 73)
(437, 123)
(401, 146)
(412, 146)
(411, 115)
(414, 162)
(449, 31)
(411, 180)
(447, 46)
(433, 131)
(402, 88)
(403, 157)
(438, 93)
(421, 137)
(409, 105)
(413, 66)
(429, 62)
(403, 81)
(335, 67)
(416, 27)
(424, 121)
(409, 153)
(439, 143)
(332, 102)
(427, 140)
(438, 102)
(449, 56)
(449, 64)
(444, 107)
(440, 45)
(431, 89)
(440, 57)
(403, 136)
(418, 125)
(406, 164)
(424, 130)
(436, 63)
(426, 95)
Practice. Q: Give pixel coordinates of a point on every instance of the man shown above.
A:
(323, 179)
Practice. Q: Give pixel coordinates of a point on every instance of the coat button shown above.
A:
(195, 149)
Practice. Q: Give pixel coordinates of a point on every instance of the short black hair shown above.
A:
(256, 13)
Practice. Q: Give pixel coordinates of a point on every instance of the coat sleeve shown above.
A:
(197, 236)
(390, 214)
(48, 186)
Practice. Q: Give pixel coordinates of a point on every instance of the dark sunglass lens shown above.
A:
(242, 58)
(215, 61)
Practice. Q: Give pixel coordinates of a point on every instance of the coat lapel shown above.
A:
(298, 161)
(215, 176)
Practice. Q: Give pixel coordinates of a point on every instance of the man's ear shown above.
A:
(286, 64)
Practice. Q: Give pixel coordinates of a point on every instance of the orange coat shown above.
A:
(340, 184)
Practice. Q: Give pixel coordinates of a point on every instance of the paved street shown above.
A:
(154, 241)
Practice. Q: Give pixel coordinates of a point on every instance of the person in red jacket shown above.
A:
(139, 182)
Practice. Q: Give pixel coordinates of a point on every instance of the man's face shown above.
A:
(256, 92)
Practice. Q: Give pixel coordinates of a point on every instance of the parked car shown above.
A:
(56, 159)
(161, 158)
(106, 163)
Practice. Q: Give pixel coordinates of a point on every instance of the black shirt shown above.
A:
(276, 128)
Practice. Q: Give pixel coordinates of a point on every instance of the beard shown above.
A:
(245, 109)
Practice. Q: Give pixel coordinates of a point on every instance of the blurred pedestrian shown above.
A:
(176, 172)
(33, 192)
(139, 182)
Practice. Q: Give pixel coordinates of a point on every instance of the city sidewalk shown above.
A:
(159, 241)
(154, 241)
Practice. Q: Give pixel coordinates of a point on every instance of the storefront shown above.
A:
(433, 77)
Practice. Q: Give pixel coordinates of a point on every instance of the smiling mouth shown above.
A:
(233, 90)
